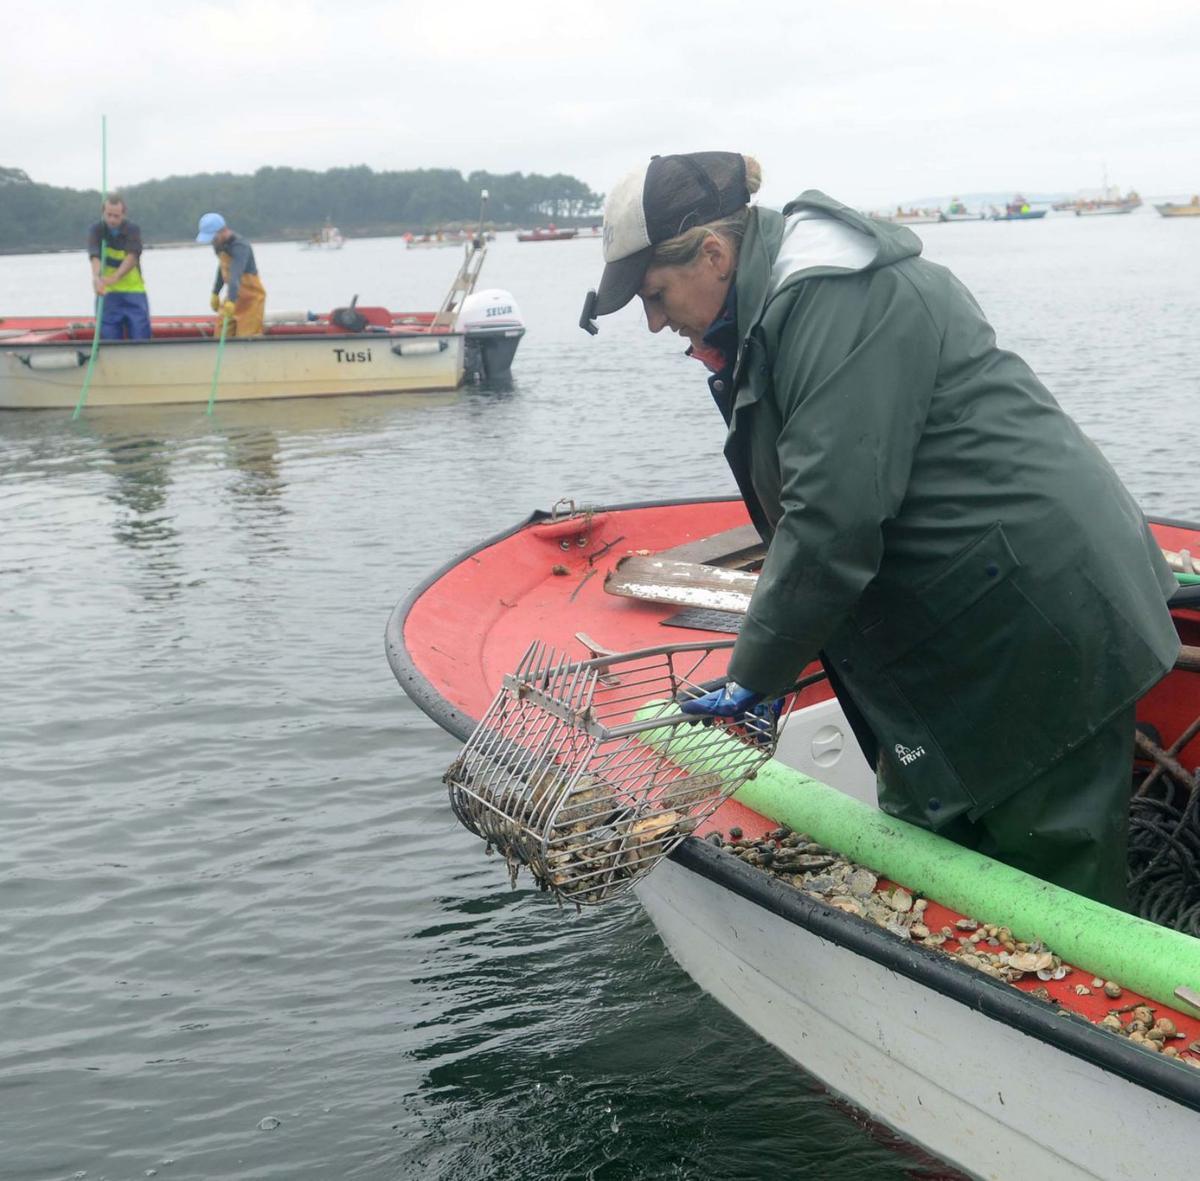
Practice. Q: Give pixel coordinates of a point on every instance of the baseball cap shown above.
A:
(654, 203)
(211, 224)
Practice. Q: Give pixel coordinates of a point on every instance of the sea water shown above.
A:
(242, 935)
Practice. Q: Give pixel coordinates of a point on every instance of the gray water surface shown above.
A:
(241, 935)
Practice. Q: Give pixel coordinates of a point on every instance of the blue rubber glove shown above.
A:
(729, 701)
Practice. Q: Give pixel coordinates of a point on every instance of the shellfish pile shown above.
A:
(796, 859)
(587, 842)
(1144, 1029)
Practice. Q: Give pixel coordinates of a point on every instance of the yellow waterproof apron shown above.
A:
(251, 300)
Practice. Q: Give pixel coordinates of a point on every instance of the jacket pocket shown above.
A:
(993, 679)
(893, 627)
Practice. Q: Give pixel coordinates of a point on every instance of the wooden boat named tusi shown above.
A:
(473, 337)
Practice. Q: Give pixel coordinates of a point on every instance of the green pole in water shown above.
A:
(212, 393)
(1148, 959)
(87, 377)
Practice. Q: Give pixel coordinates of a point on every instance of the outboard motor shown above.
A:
(491, 322)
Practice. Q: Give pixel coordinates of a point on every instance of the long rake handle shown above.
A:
(91, 365)
(212, 393)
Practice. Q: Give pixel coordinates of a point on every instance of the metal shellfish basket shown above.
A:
(587, 773)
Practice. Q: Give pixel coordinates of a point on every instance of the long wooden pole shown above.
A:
(87, 377)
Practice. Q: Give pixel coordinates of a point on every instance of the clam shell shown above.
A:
(1031, 961)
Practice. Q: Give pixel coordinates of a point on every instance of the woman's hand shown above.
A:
(731, 700)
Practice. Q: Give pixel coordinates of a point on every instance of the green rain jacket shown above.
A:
(982, 588)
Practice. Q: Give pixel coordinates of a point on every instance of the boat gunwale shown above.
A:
(20, 343)
(1073, 1034)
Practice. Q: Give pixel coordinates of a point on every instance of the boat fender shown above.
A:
(59, 359)
(419, 348)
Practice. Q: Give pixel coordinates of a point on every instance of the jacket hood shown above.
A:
(815, 236)
(823, 235)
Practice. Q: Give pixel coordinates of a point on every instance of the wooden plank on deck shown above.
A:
(734, 547)
(683, 584)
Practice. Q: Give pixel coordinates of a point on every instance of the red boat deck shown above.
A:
(545, 580)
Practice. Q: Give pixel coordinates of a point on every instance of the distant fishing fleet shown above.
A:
(1106, 202)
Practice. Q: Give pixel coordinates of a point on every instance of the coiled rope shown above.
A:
(1164, 837)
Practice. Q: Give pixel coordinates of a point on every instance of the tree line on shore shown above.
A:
(293, 202)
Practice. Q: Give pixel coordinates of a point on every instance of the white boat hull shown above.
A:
(938, 1069)
(960, 1070)
(158, 372)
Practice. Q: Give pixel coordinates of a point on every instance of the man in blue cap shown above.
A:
(245, 296)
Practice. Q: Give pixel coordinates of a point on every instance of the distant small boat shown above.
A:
(1107, 203)
(1170, 209)
(1018, 209)
(436, 241)
(328, 237)
(957, 211)
(1106, 207)
(298, 355)
(547, 235)
(914, 217)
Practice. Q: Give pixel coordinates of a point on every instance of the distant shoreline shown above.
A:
(301, 237)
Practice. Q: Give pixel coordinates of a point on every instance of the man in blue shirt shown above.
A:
(245, 296)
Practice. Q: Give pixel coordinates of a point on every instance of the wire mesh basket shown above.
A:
(587, 773)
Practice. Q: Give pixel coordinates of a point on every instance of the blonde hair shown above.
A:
(684, 248)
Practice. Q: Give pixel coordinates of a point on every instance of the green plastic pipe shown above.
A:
(1141, 956)
(91, 365)
(212, 393)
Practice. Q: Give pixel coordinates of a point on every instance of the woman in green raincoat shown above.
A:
(981, 588)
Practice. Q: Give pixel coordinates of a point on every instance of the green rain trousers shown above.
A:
(1070, 826)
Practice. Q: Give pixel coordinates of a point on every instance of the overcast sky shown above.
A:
(872, 102)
